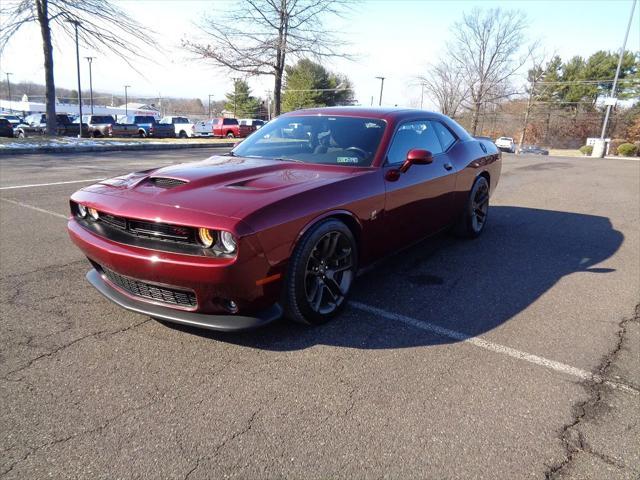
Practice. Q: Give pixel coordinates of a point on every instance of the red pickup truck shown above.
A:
(230, 128)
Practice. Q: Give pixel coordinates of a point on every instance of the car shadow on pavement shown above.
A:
(470, 286)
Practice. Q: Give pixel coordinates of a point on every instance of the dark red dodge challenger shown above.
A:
(282, 223)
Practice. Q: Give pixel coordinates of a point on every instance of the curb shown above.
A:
(110, 148)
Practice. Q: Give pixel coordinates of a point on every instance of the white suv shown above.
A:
(506, 144)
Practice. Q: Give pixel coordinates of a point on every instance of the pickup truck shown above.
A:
(36, 124)
(106, 126)
(506, 144)
(255, 123)
(183, 126)
(229, 127)
(148, 126)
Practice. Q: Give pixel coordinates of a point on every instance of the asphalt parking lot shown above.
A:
(512, 356)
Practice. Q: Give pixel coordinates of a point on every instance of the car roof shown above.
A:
(370, 112)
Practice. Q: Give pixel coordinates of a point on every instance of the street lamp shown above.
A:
(76, 23)
(209, 104)
(9, 88)
(381, 88)
(126, 101)
(90, 59)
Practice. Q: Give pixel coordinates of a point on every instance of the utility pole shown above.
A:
(209, 104)
(421, 94)
(9, 88)
(381, 88)
(90, 59)
(126, 100)
(76, 23)
(615, 82)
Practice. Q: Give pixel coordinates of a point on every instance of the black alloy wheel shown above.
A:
(476, 210)
(321, 272)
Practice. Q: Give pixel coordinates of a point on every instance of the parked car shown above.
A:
(255, 123)
(106, 126)
(182, 125)
(281, 225)
(203, 129)
(148, 126)
(14, 120)
(229, 127)
(533, 150)
(36, 124)
(506, 144)
(6, 129)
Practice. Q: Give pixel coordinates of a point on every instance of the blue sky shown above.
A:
(393, 38)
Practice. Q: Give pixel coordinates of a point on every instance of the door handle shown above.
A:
(448, 166)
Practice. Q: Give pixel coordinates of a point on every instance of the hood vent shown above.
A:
(164, 182)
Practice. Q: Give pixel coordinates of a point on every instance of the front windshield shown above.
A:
(347, 141)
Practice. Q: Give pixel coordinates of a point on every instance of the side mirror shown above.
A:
(416, 157)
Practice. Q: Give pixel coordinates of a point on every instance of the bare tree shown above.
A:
(102, 26)
(486, 47)
(535, 90)
(444, 84)
(257, 37)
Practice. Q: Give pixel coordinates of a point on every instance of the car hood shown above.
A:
(225, 186)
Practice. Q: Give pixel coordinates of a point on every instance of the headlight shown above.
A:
(205, 237)
(228, 242)
(82, 210)
(94, 213)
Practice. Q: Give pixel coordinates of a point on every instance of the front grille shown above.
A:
(172, 296)
(163, 182)
(159, 231)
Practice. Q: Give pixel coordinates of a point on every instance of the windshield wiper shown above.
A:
(283, 159)
(230, 154)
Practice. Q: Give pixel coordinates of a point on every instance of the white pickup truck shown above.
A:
(183, 126)
(506, 144)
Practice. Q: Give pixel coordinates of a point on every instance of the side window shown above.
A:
(410, 135)
(444, 135)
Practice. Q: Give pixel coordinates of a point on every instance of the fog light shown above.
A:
(232, 306)
(82, 211)
(94, 213)
(228, 242)
(205, 237)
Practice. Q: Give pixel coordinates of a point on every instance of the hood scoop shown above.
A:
(166, 182)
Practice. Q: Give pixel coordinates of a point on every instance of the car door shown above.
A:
(417, 201)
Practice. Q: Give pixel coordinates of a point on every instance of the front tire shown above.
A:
(321, 272)
(476, 210)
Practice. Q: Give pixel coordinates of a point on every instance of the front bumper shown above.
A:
(224, 323)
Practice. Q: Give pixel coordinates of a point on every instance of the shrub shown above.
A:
(627, 150)
(614, 144)
(586, 149)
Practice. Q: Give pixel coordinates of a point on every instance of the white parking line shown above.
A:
(53, 183)
(31, 207)
(494, 347)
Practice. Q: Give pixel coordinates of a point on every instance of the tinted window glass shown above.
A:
(4, 122)
(347, 141)
(230, 121)
(141, 119)
(180, 120)
(101, 119)
(444, 135)
(410, 135)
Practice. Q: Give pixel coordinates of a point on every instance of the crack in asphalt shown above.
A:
(572, 439)
(225, 441)
(69, 344)
(68, 438)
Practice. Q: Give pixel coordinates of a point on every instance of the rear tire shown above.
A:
(142, 134)
(320, 274)
(182, 134)
(474, 217)
(230, 135)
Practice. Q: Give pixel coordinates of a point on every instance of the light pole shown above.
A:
(90, 59)
(421, 94)
(76, 23)
(9, 88)
(126, 101)
(209, 104)
(235, 96)
(615, 80)
(381, 88)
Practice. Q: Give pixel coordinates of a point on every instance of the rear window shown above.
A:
(141, 119)
(102, 119)
(4, 122)
(180, 120)
(230, 121)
